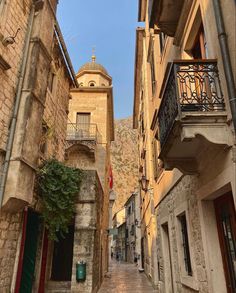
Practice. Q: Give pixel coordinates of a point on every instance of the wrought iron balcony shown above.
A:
(192, 105)
(81, 132)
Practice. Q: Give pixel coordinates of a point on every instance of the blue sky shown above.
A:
(109, 26)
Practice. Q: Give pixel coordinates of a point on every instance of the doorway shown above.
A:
(226, 225)
(62, 261)
(169, 286)
(29, 244)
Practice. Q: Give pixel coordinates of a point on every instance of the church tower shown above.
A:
(90, 132)
(91, 117)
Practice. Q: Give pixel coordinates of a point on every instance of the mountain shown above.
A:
(124, 159)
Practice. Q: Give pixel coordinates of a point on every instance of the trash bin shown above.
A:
(81, 271)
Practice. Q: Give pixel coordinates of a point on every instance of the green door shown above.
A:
(32, 229)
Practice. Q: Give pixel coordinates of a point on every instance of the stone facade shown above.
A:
(10, 227)
(182, 195)
(119, 239)
(189, 171)
(133, 235)
(38, 126)
(87, 243)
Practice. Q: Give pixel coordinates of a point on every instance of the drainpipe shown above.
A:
(12, 129)
(226, 59)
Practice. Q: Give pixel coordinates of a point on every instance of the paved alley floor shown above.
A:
(126, 278)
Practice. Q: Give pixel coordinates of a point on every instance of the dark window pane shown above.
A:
(185, 243)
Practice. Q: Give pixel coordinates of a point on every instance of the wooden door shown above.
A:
(26, 267)
(226, 224)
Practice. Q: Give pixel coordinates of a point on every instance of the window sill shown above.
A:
(190, 282)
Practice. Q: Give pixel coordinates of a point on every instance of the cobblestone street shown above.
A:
(125, 278)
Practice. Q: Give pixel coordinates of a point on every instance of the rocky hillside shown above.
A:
(124, 158)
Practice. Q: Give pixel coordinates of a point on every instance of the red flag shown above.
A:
(110, 178)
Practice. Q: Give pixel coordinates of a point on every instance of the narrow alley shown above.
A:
(117, 146)
(126, 278)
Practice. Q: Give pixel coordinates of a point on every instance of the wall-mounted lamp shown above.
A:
(10, 39)
(144, 183)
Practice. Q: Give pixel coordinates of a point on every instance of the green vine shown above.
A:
(58, 187)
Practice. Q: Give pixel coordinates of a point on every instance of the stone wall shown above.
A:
(56, 107)
(38, 104)
(87, 243)
(183, 194)
(10, 227)
(14, 15)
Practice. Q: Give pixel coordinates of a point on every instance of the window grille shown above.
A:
(185, 243)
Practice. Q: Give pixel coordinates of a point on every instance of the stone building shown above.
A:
(185, 112)
(119, 238)
(133, 239)
(36, 75)
(90, 131)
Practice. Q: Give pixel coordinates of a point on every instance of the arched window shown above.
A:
(81, 84)
(92, 83)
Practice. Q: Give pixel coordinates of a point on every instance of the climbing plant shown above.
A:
(57, 186)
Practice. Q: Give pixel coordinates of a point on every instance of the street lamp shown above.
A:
(144, 183)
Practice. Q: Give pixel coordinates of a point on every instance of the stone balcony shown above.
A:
(169, 15)
(83, 135)
(192, 114)
(165, 14)
(81, 132)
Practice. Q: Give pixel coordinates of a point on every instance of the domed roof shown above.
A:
(93, 66)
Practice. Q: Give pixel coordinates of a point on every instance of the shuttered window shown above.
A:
(154, 158)
(83, 122)
(83, 118)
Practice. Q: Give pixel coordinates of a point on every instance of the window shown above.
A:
(43, 142)
(199, 49)
(83, 124)
(129, 210)
(226, 223)
(81, 84)
(185, 244)
(83, 118)
(162, 40)
(153, 76)
(157, 163)
(154, 158)
(132, 230)
(51, 80)
(133, 206)
(92, 83)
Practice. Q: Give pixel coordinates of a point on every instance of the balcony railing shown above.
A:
(82, 132)
(191, 86)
